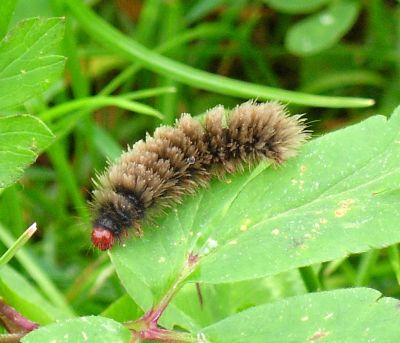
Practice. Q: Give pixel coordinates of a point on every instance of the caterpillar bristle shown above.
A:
(156, 173)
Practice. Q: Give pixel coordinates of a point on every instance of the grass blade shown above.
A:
(106, 35)
(20, 242)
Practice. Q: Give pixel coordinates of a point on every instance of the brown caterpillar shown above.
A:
(157, 172)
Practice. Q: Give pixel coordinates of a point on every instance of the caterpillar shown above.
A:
(157, 172)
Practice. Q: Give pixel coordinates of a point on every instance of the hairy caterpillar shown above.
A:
(157, 172)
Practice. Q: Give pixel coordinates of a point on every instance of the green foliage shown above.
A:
(17, 290)
(28, 60)
(322, 30)
(296, 7)
(84, 329)
(6, 12)
(329, 316)
(106, 34)
(319, 31)
(22, 138)
(241, 259)
(232, 298)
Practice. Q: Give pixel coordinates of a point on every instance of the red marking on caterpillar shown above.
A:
(102, 238)
(157, 172)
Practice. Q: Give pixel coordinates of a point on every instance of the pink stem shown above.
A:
(146, 327)
(162, 335)
(13, 321)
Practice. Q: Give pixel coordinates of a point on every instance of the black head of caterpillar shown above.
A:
(175, 161)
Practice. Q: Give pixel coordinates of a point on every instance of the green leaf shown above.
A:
(201, 8)
(80, 330)
(337, 198)
(322, 30)
(340, 196)
(14, 288)
(296, 7)
(7, 8)
(347, 315)
(22, 138)
(122, 310)
(28, 60)
(223, 300)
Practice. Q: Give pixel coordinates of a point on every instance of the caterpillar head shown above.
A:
(102, 238)
(106, 230)
(113, 219)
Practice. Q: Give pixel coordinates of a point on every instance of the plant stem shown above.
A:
(146, 327)
(13, 321)
(162, 335)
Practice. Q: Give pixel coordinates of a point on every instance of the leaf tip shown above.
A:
(30, 231)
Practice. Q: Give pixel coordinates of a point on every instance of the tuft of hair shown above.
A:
(157, 172)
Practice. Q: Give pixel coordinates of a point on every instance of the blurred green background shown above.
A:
(326, 47)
